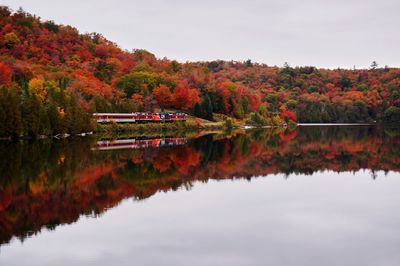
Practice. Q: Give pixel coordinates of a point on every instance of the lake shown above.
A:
(313, 196)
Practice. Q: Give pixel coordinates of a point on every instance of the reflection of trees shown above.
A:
(49, 183)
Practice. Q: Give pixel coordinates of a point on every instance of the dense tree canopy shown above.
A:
(37, 55)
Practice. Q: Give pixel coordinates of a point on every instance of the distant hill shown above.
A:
(52, 77)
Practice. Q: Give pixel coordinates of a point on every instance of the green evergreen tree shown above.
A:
(15, 109)
(245, 104)
(10, 117)
(207, 108)
(2, 113)
(76, 118)
(55, 120)
(238, 111)
(31, 113)
(197, 110)
(44, 126)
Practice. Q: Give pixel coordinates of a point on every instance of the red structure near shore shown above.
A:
(138, 117)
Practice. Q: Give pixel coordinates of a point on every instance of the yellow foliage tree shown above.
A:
(36, 86)
(11, 39)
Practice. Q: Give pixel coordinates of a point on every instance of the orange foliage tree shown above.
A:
(163, 96)
(5, 74)
(185, 97)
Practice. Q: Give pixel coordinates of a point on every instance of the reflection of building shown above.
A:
(138, 143)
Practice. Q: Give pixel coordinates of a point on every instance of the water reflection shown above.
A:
(45, 184)
(139, 143)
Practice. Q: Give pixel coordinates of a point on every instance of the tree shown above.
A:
(185, 97)
(238, 111)
(76, 118)
(245, 104)
(249, 63)
(392, 115)
(10, 117)
(257, 119)
(137, 82)
(51, 26)
(102, 51)
(11, 40)
(104, 71)
(344, 82)
(36, 86)
(149, 103)
(55, 116)
(175, 67)
(218, 102)
(5, 74)
(137, 102)
(291, 104)
(44, 126)
(288, 115)
(273, 102)
(31, 113)
(206, 108)
(100, 105)
(4, 11)
(197, 110)
(163, 96)
(374, 65)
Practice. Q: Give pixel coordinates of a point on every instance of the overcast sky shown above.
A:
(340, 33)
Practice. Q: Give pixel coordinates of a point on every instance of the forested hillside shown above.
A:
(52, 78)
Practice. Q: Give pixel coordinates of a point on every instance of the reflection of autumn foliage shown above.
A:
(162, 163)
(5, 199)
(49, 184)
(184, 158)
(289, 136)
(289, 115)
(90, 175)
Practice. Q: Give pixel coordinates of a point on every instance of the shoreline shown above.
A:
(179, 129)
(335, 124)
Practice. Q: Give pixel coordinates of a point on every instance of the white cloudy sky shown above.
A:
(340, 33)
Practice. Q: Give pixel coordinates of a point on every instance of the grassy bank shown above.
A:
(190, 125)
(177, 128)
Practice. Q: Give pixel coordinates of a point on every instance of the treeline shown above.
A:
(316, 110)
(26, 112)
(100, 77)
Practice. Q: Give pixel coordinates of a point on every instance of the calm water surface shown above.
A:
(314, 196)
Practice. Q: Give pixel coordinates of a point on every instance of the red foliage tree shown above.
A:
(5, 74)
(185, 97)
(289, 115)
(163, 96)
(101, 51)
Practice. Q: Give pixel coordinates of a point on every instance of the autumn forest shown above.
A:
(52, 78)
